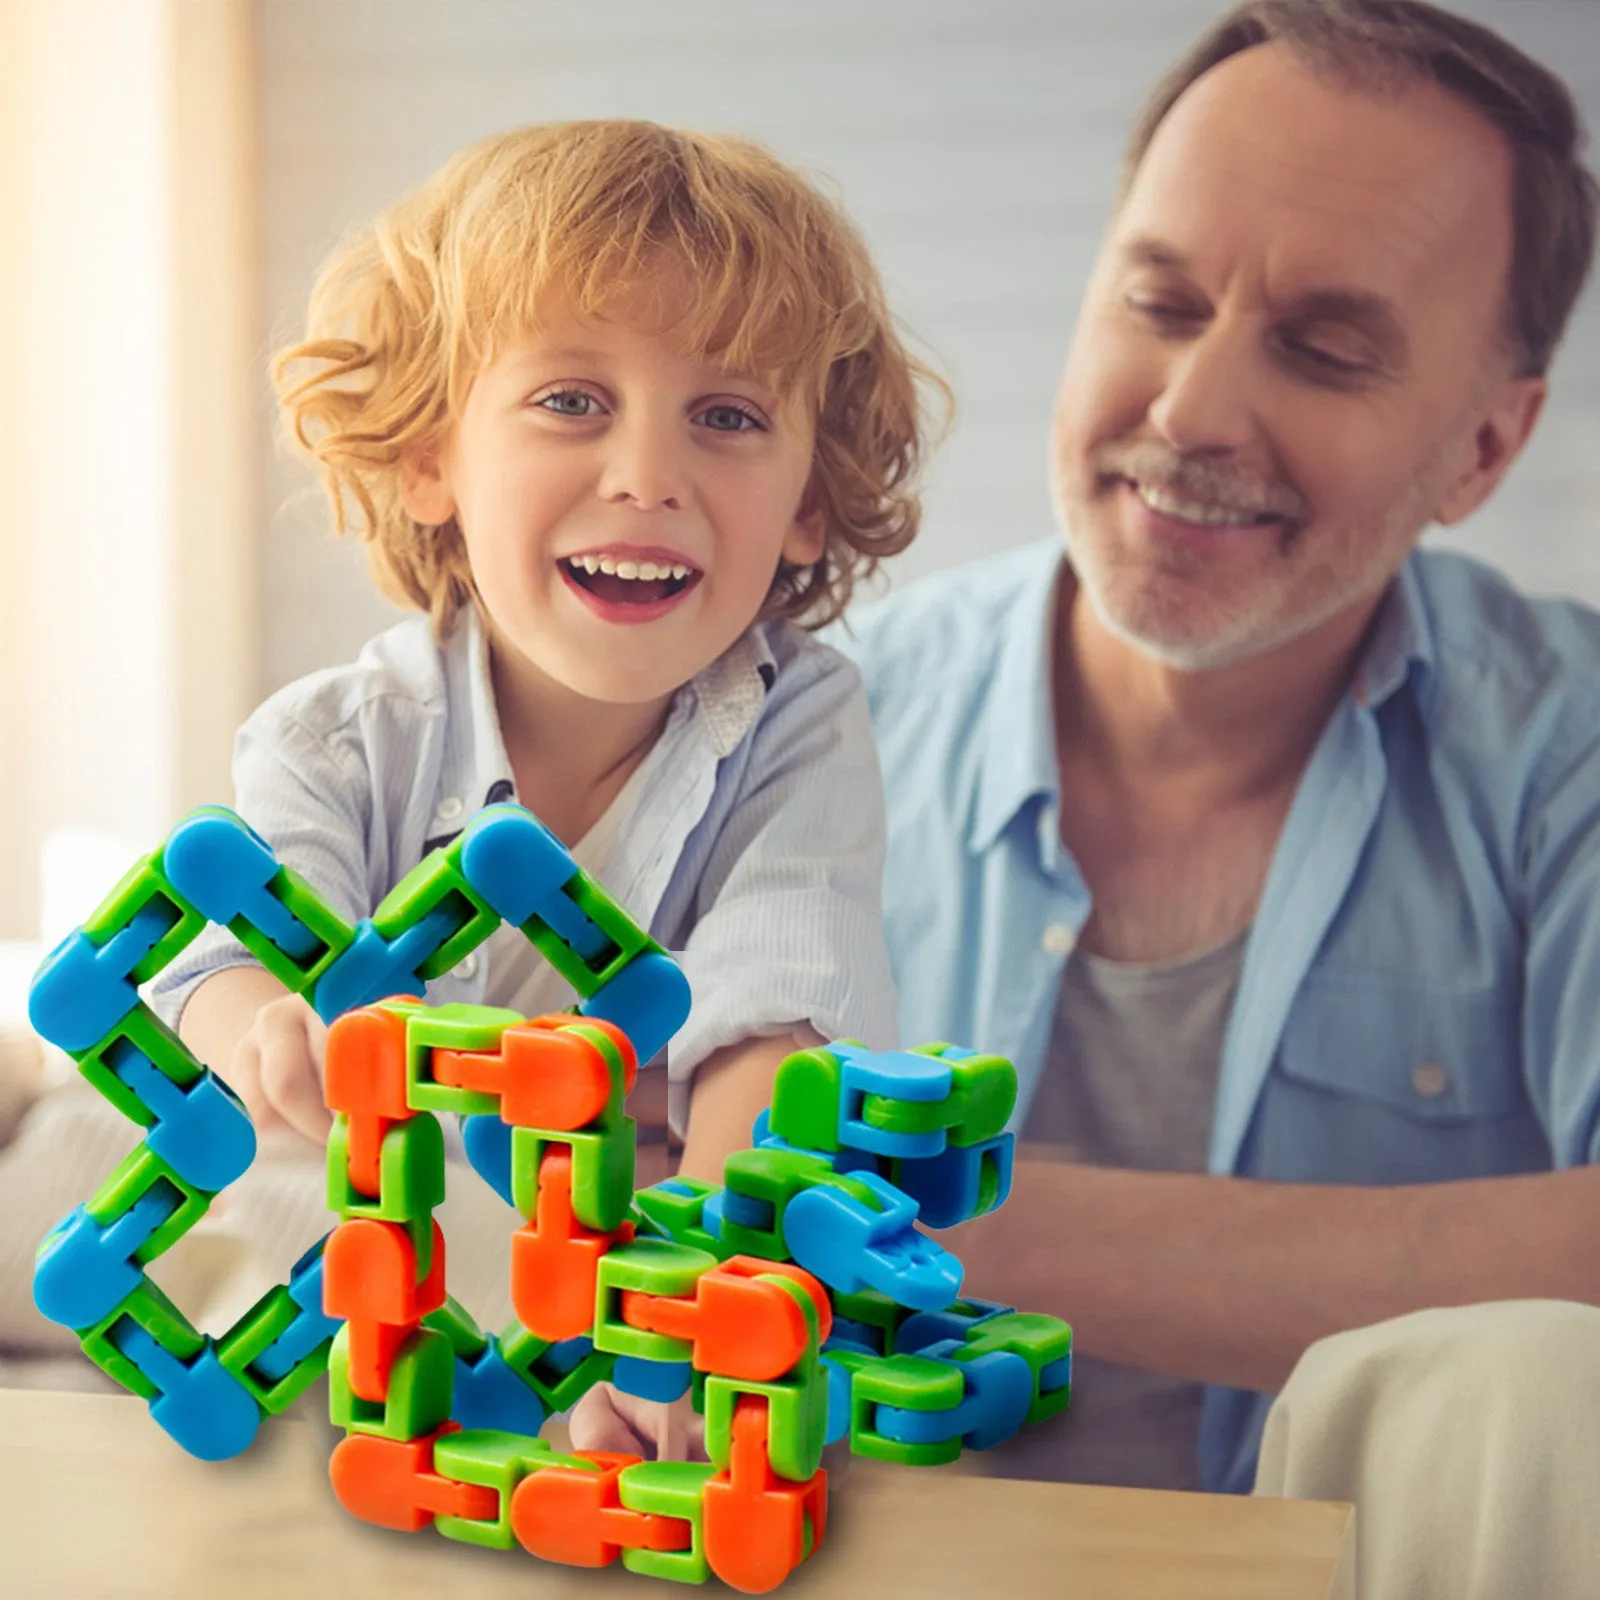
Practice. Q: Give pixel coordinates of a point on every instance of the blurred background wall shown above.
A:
(180, 167)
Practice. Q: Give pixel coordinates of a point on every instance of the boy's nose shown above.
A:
(644, 467)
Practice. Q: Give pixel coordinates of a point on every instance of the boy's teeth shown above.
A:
(646, 571)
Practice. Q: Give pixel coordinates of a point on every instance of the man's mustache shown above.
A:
(1201, 478)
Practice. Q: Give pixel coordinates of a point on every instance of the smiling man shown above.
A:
(1265, 844)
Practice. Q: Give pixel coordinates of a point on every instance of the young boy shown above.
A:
(614, 405)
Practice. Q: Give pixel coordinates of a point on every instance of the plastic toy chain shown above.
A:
(796, 1305)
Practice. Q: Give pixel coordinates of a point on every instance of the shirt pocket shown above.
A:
(1381, 1080)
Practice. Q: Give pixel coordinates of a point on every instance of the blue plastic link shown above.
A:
(1056, 1375)
(489, 1394)
(897, 1075)
(924, 1328)
(201, 1404)
(311, 1328)
(999, 1393)
(652, 1380)
(83, 990)
(222, 867)
(850, 1247)
(203, 1132)
(374, 968)
(648, 999)
(519, 869)
(84, 1269)
(947, 1186)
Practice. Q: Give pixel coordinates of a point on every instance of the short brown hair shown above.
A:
(405, 314)
(1382, 45)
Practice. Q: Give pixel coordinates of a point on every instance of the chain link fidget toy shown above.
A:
(797, 1304)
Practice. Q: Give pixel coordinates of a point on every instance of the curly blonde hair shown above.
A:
(406, 313)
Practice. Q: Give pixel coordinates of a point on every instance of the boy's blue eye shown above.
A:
(570, 403)
(729, 419)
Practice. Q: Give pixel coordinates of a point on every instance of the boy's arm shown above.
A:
(265, 1042)
(731, 1087)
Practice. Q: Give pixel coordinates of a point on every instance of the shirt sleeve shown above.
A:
(1561, 981)
(790, 925)
(307, 797)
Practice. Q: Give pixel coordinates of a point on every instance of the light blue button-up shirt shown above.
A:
(1420, 995)
(752, 846)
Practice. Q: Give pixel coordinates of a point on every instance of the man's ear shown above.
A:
(425, 485)
(1497, 442)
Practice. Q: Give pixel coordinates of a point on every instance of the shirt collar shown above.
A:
(476, 770)
(1018, 760)
(1402, 635)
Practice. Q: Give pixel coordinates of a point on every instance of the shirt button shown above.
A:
(467, 966)
(1430, 1079)
(449, 808)
(1058, 940)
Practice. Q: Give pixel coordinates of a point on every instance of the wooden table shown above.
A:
(96, 1503)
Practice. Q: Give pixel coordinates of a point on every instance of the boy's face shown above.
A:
(624, 504)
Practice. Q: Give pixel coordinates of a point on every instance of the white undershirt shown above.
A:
(519, 977)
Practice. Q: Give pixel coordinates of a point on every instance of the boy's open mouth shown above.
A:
(629, 582)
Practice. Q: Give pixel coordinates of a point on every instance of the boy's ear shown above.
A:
(425, 486)
(807, 537)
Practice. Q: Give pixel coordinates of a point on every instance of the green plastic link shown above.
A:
(668, 1489)
(679, 1216)
(775, 1177)
(1038, 1339)
(797, 1405)
(410, 1174)
(498, 1461)
(421, 1388)
(160, 1318)
(435, 881)
(139, 1173)
(523, 1352)
(452, 1027)
(141, 884)
(625, 938)
(260, 1327)
(875, 1310)
(649, 1266)
(602, 1171)
(143, 1033)
(456, 1323)
(805, 1100)
(983, 1093)
(332, 932)
(913, 1383)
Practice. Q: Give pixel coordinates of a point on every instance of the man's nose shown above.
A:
(1207, 400)
(645, 465)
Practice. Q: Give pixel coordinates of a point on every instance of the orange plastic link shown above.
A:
(555, 1260)
(753, 1522)
(371, 1348)
(737, 1325)
(392, 1482)
(365, 1078)
(566, 1514)
(546, 1074)
(369, 1277)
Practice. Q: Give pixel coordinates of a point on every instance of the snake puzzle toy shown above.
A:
(795, 1305)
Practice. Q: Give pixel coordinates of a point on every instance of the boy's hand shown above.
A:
(276, 1069)
(607, 1419)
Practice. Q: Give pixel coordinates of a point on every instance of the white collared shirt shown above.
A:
(752, 847)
